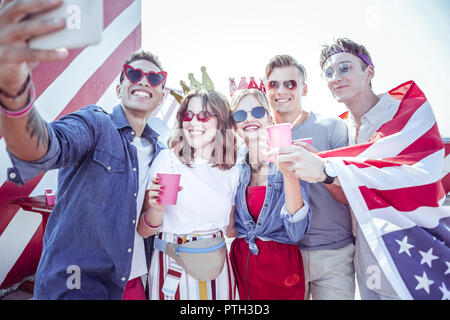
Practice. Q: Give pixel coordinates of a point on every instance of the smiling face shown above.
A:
(349, 81)
(199, 135)
(251, 128)
(282, 100)
(141, 96)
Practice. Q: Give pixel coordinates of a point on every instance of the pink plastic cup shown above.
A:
(50, 197)
(171, 182)
(280, 135)
(306, 140)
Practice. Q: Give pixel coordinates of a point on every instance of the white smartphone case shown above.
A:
(84, 25)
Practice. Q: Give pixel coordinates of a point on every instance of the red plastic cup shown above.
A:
(170, 182)
(306, 140)
(280, 135)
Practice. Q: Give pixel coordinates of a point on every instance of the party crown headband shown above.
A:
(194, 84)
(243, 84)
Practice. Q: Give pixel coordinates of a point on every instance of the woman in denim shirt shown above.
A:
(272, 212)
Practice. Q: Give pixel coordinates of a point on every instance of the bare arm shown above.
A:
(292, 189)
(25, 136)
(152, 211)
(336, 191)
(230, 230)
(293, 193)
(153, 217)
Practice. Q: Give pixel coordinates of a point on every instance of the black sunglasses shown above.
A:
(257, 113)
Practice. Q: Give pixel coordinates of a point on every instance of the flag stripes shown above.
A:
(393, 185)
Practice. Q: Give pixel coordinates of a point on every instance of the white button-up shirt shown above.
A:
(382, 112)
(365, 262)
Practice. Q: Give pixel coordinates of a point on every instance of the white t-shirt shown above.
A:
(206, 199)
(145, 151)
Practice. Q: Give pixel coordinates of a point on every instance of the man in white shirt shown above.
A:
(390, 176)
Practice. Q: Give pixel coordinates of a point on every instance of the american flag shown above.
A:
(89, 75)
(393, 185)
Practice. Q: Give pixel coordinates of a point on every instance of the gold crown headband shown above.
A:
(206, 84)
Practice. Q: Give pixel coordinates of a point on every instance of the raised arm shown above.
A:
(24, 130)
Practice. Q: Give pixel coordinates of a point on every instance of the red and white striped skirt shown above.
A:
(164, 269)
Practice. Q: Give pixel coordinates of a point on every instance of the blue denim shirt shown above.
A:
(274, 222)
(89, 236)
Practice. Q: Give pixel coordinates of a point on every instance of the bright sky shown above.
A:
(407, 39)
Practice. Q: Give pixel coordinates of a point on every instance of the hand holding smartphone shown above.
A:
(84, 25)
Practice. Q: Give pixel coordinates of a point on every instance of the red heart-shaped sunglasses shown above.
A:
(135, 75)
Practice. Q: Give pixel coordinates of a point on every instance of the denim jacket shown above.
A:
(274, 221)
(89, 237)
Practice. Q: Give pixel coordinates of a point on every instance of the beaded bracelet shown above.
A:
(150, 225)
(23, 111)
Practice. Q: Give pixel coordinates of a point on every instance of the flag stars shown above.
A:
(427, 257)
(424, 283)
(448, 267)
(445, 292)
(404, 246)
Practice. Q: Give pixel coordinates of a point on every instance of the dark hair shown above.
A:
(285, 60)
(343, 45)
(225, 150)
(142, 55)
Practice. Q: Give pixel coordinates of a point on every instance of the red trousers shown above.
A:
(134, 290)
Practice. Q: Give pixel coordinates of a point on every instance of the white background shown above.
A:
(407, 39)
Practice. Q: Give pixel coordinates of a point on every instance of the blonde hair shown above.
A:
(259, 95)
(284, 60)
(225, 147)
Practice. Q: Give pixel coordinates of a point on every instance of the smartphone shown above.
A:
(84, 25)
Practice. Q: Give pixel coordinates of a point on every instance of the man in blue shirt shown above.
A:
(89, 244)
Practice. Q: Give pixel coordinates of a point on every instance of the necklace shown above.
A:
(258, 168)
(300, 119)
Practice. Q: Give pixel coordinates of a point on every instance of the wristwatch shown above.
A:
(329, 173)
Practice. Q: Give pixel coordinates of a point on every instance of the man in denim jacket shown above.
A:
(90, 236)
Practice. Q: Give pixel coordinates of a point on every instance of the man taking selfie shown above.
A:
(91, 249)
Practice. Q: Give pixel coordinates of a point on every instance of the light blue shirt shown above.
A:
(274, 222)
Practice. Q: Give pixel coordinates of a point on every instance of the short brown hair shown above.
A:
(225, 150)
(142, 55)
(344, 45)
(285, 60)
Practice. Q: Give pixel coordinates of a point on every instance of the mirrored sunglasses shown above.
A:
(288, 84)
(342, 69)
(257, 113)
